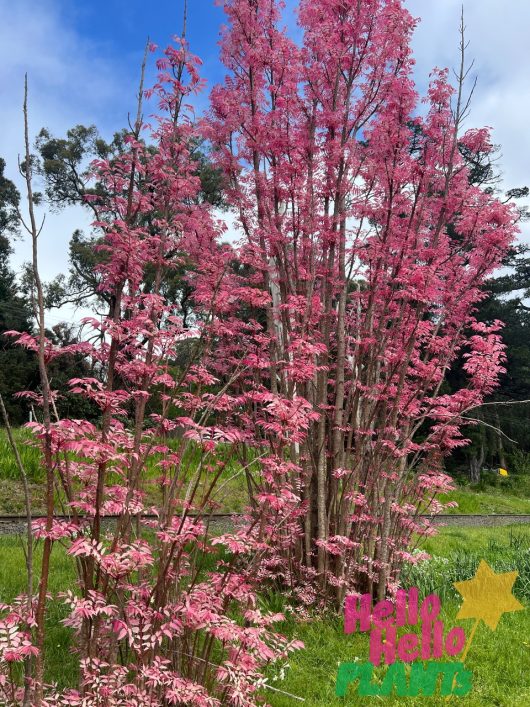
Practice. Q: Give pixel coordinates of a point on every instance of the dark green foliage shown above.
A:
(505, 302)
(9, 203)
(18, 366)
(62, 370)
(64, 163)
(212, 184)
(18, 369)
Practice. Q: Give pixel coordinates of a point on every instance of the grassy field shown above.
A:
(60, 661)
(492, 499)
(499, 660)
(494, 494)
(231, 493)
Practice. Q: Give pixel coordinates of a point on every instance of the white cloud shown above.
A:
(69, 83)
(72, 81)
(498, 37)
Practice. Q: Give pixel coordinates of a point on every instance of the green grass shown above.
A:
(499, 660)
(231, 493)
(61, 661)
(456, 553)
(450, 539)
(494, 494)
(471, 502)
(29, 454)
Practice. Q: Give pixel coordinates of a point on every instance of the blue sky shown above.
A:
(83, 59)
(114, 33)
(118, 29)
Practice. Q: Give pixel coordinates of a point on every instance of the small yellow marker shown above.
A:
(503, 472)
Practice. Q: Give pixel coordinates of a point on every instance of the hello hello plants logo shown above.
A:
(430, 661)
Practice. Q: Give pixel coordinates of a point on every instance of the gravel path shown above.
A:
(17, 526)
(480, 520)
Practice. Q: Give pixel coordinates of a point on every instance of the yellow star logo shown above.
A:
(487, 596)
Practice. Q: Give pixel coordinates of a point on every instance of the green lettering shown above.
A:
(347, 673)
(456, 680)
(424, 677)
(366, 687)
(423, 680)
(350, 672)
(395, 678)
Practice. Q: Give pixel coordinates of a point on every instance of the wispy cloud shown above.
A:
(69, 83)
(498, 43)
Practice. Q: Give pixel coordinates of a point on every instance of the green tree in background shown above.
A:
(18, 367)
(507, 303)
(64, 165)
(502, 424)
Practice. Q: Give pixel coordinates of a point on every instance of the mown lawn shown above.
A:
(493, 494)
(494, 500)
(450, 539)
(499, 660)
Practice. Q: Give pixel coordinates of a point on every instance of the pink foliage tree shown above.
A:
(163, 614)
(364, 248)
(317, 355)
